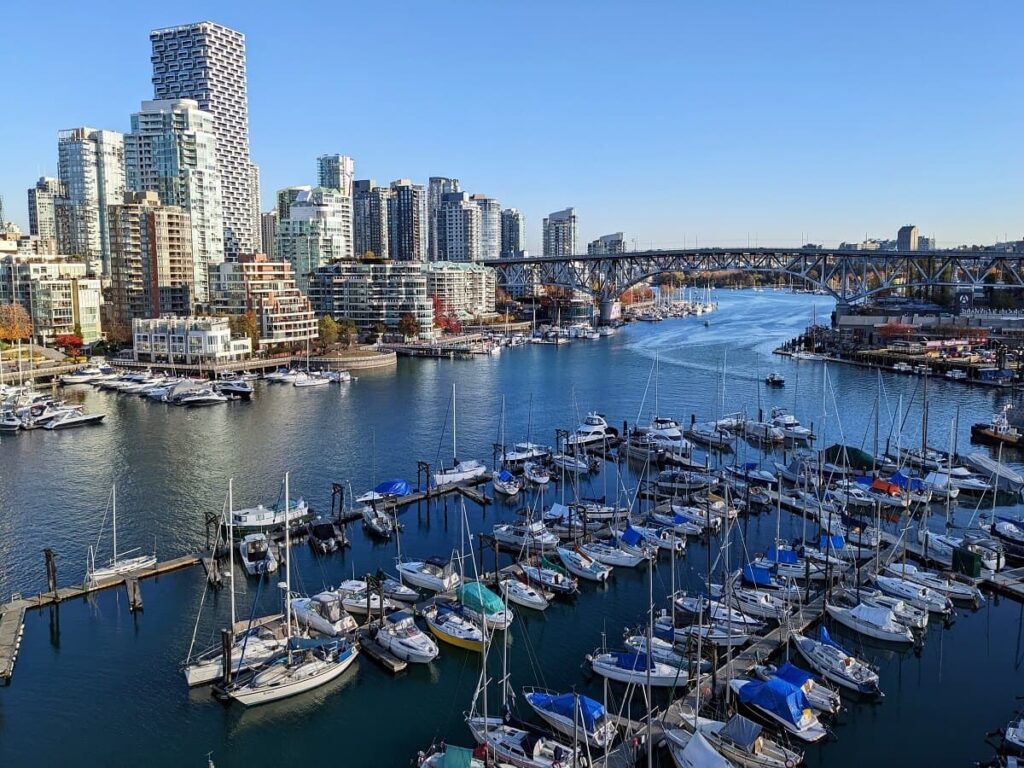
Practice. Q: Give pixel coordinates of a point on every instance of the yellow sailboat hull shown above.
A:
(459, 642)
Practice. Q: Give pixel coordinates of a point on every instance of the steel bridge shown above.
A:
(850, 276)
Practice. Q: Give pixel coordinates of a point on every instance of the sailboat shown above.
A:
(304, 666)
(460, 471)
(116, 566)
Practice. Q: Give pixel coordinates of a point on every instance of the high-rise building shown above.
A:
(268, 232)
(267, 289)
(490, 227)
(407, 221)
(560, 233)
(57, 293)
(335, 172)
(206, 62)
(316, 231)
(513, 232)
(370, 219)
(172, 150)
(90, 164)
(437, 187)
(458, 228)
(43, 200)
(906, 238)
(151, 267)
(372, 293)
(607, 244)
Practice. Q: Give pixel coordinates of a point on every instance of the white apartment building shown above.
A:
(606, 245)
(206, 62)
(187, 340)
(57, 293)
(172, 150)
(437, 188)
(490, 227)
(458, 228)
(464, 288)
(336, 172)
(43, 199)
(560, 233)
(316, 231)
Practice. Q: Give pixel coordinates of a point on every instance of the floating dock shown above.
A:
(383, 657)
(12, 627)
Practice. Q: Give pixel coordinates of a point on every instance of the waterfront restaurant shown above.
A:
(187, 340)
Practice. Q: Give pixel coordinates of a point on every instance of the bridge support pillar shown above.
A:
(611, 310)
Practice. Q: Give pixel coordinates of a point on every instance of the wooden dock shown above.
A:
(12, 627)
(383, 657)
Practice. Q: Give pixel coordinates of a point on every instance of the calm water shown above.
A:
(98, 686)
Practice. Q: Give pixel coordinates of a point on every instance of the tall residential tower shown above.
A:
(560, 233)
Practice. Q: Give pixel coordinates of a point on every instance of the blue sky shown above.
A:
(712, 122)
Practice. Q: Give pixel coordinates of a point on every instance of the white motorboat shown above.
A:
(530, 534)
(202, 398)
(819, 696)
(710, 434)
(573, 715)
(831, 661)
(916, 594)
(71, 418)
(261, 519)
(399, 634)
(257, 556)
(118, 565)
(523, 452)
(377, 522)
(791, 427)
(84, 375)
(627, 667)
(608, 555)
(397, 591)
(314, 379)
(871, 620)
(324, 614)
(782, 703)
(435, 574)
(668, 435)
(594, 431)
(954, 590)
(580, 564)
(357, 597)
(522, 594)
(293, 673)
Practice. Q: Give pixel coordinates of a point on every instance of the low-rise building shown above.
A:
(187, 340)
(56, 291)
(372, 293)
(267, 289)
(463, 288)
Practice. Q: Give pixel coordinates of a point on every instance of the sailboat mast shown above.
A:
(650, 645)
(287, 566)
(113, 494)
(231, 546)
(455, 449)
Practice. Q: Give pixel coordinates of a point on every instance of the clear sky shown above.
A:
(673, 122)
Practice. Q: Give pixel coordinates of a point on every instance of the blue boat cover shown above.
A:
(625, 660)
(793, 675)
(776, 696)
(741, 731)
(505, 475)
(906, 482)
(787, 556)
(824, 637)
(587, 711)
(393, 488)
(630, 536)
(757, 576)
(831, 542)
(749, 466)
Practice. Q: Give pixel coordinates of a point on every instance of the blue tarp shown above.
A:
(630, 536)
(574, 707)
(787, 556)
(863, 480)
(393, 488)
(793, 675)
(505, 475)
(630, 660)
(906, 482)
(777, 696)
(758, 576)
(741, 731)
(831, 542)
(824, 637)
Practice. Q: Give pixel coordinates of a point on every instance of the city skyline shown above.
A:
(712, 126)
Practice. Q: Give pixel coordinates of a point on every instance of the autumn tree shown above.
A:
(14, 322)
(408, 325)
(328, 330)
(246, 326)
(71, 343)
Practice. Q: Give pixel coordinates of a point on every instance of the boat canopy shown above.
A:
(505, 476)
(698, 753)
(440, 562)
(906, 482)
(456, 757)
(757, 576)
(777, 696)
(625, 660)
(847, 455)
(741, 731)
(477, 597)
(631, 537)
(872, 614)
(558, 512)
(786, 556)
(884, 486)
(550, 566)
(393, 488)
(825, 638)
(793, 675)
(834, 542)
(572, 706)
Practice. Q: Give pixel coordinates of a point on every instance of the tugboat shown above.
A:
(774, 379)
(998, 431)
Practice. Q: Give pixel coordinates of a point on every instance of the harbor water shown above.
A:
(98, 685)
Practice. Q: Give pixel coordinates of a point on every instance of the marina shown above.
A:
(352, 436)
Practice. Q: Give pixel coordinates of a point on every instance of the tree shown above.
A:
(118, 331)
(246, 326)
(328, 330)
(71, 343)
(348, 332)
(14, 322)
(408, 326)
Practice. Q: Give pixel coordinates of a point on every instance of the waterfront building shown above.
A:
(606, 245)
(464, 288)
(56, 291)
(43, 201)
(90, 165)
(513, 232)
(172, 150)
(266, 288)
(490, 227)
(187, 340)
(925, 243)
(906, 238)
(268, 232)
(152, 271)
(374, 292)
(437, 188)
(560, 233)
(335, 172)
(458, 228)
(407, 221)
(316, 231)
(206, 62)
(370, 219)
